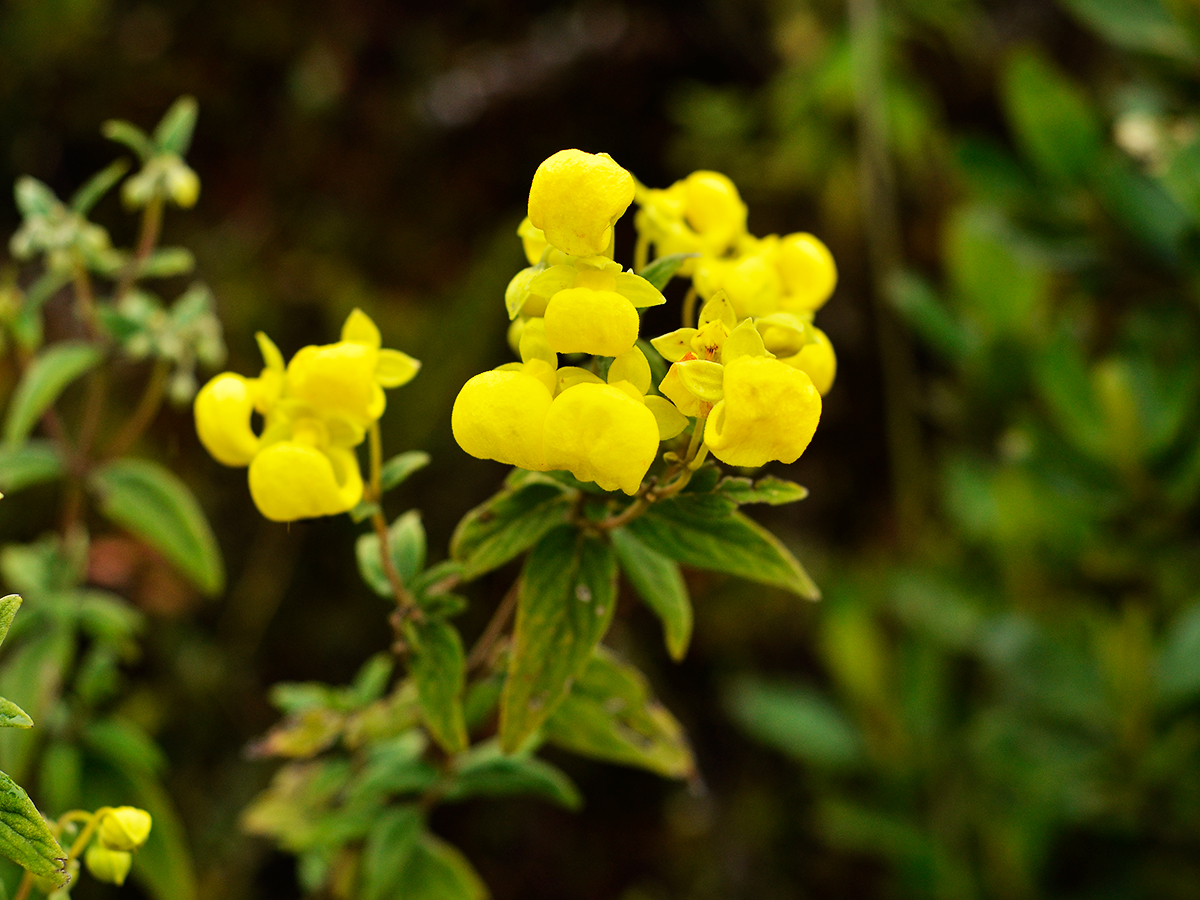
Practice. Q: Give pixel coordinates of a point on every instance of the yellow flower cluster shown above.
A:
(315, 411)
(751, 377)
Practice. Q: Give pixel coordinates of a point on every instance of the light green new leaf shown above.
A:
(660, 272)
(399, 467)
(610, 715)
(660, 584)
(438, 871)
(174, 132)
(34, 198)
(438, 669)
(45, 379)
(8, 611)
(568, 593)
(25, 837)
(27, 464)
(507, 525)
(130, 135)
(12, 716)
(487, 771)
(97, 186)
(167, 262)
(706, 532)
(155, 505)
(390, 844)
(772, 490)
(406, 543)
(796, 720)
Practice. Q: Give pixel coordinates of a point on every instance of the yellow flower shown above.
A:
(584, 320)
(501, 415)
(601, 433)
(306, 466)
(347, 378)
(769, 411)
(576, 197)
(109, 866)
(223, 409)
(797, 343)
(808, 272)
(702, 213)
(124, 828)
(751, 280)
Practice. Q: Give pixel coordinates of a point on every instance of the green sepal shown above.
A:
(567, 597)
(438, 668)
(610, 715)
(158, 507)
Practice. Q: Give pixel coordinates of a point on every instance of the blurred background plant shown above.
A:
(998, 696)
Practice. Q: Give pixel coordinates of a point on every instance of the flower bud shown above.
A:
(808, 272)
(109, 866)
(124, 828)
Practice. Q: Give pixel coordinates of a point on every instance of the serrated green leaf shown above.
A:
(660, 272)
(406, 545)
(438, 871)
(45, 379)
(487, 771)
(32, 462)
(610, 715)
(97, 186)
(130, 135)
(507, 525)
(399, 467)
(174, 132)
(703, 531)
(772, 490)
(390, 844)
(438, 668)
(155, 505)
(568, 594)
(796, 720)
(167, 262)
(12, 716)
(660, 584)
(25, 837)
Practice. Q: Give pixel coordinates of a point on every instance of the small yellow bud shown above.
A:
(583, 320)
(600, 433)
(576, 197)
(124, 828)
(109, 866)
(183, 184)
(769, 411)
(501, 415)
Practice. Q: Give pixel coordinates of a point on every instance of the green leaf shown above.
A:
(34, 198)
(174, 132)
(1054, 120)
(27, 464)
(1179, 661)
(438, 668)
(155, 505)
(660, 272)
(796, 720)
(8, 611)
(45, 379)
(706, 532)
(927, 315)
(25, 837)
(130, 135)
(125, 746)
(389, 846)
(12, 716)
(610, 715)
(568, 594)
(437, 871)
(487, 771)
(406, 545)
(1135, 25)
(772, 490)
(507, 525)
(660, 584)
(167, 262)
(399, 467)
(97, 186)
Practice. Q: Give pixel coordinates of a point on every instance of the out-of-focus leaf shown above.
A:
(9, 605)
(707, 532)
(507, 525)
(1063, 382)
(797, 720)
(1179, 661)
(174, 131)
(406, 544)
(1141, 205)
(1136, 25)
(610, 715)
(772, 490)
(130, 135)
(32, 462)
(45, 379)
(660, 584)
(438, 670)
(167, 262)
(928, 317)
(437, 871)
(160, 509)
(97, 186)
(388, 848)
(126, 746)
(25, 837)
(486, 771)
(399, 467)
(568, 595)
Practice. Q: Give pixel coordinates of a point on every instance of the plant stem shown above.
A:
(406, 604)
(689, 308)
(147, 238)
(676, 478)
(481, 653)
(143, 415)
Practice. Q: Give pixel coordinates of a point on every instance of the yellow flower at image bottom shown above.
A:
(600, 433)
(293, 480)
(769, 411)
(501, 415)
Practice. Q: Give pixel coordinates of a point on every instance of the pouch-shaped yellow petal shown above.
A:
(338, 379)
(501, 415)
(290, 481)
(582, 320)
(222, 410)
(816, 360)
(808, 272)
(770, 411)
(599, 433)
(576, 197)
